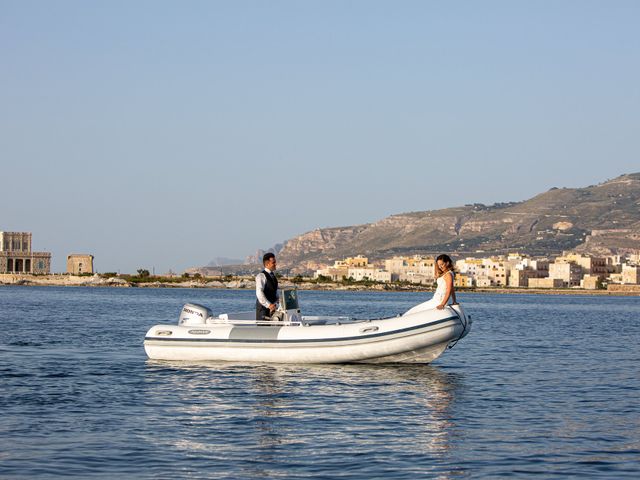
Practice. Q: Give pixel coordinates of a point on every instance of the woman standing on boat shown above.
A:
(444, 290)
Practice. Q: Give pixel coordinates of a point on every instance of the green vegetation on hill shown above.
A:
(144, 276)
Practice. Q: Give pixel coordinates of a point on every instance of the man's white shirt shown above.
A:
(261, 281)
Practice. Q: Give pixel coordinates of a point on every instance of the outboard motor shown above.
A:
(194, 314)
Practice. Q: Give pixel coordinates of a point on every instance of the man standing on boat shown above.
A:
(266, 288)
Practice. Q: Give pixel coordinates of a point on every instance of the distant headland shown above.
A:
(601, 220)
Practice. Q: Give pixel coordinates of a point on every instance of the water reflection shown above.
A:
(268, 407)
(284, 413)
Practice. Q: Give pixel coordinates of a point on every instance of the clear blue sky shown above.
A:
(162, 134)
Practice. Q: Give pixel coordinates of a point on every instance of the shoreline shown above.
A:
(63, 280)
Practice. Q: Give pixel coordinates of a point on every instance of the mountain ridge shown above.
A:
(546, 224)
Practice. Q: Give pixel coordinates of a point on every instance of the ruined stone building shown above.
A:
(78, 263)
(16, 255)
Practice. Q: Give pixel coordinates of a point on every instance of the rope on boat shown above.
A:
(464, 324)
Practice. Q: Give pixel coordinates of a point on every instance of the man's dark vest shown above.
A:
(270, 287)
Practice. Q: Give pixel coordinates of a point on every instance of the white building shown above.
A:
(569, 273)
(631, 274)
(371, 273)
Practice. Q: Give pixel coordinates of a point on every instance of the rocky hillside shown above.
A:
(602, 218)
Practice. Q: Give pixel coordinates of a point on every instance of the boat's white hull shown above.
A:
(415, 338)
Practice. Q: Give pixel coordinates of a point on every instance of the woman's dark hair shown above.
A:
(446, 259)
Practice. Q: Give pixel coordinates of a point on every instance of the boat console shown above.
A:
(288, 311)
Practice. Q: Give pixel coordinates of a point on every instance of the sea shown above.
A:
(544, 386)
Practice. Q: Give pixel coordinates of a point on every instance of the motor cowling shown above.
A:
(194, 314)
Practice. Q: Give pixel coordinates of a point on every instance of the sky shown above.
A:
(164, 134)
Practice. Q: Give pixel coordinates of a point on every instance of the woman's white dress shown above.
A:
(438, 295)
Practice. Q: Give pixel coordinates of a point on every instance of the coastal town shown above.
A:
(571, 270)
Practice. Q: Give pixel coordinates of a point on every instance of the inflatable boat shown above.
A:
(289, 337)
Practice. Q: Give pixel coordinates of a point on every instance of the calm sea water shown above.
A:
(544, 386)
